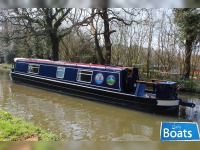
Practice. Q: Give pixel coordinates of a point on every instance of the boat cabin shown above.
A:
(91, 75)
(102, 77)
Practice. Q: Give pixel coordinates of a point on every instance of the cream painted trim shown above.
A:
(168, 102)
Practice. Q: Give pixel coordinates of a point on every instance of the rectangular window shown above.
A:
(84, 76)
(60, 73)
(33, 68)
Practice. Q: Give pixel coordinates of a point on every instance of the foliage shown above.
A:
(10, 55)
(6, 66)
(188, 85)
(78, 47)
(12, 128)
(11, 50)
(188, 21)
(51, 23)
(40, 48)
(191, 85)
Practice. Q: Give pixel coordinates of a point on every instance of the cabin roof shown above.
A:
(69, 63)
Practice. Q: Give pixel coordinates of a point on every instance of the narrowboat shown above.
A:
(103, 83)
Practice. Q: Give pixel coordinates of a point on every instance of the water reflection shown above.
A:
(188, 113)
(77, 119)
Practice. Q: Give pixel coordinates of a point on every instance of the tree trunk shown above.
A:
(55, 41)
(99, 50)
(106, 36)
(149, 51)
(101, 59)
(52, 29)
(188, 53)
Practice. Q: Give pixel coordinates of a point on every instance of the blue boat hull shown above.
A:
(114, 98)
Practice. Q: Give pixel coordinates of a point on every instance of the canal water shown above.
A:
(75, 119)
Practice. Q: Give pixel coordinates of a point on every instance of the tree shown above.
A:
(110, 19)
(78, 46)
(54, 23)
(188, 21)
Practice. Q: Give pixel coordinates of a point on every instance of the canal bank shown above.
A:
(15, 129)
(189, 86)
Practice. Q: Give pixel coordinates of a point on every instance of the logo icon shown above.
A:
(110, 80)
(99, 78)
(179, 131)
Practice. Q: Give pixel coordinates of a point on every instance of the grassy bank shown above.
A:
(6, 66)
(189, 86)
(15, 129)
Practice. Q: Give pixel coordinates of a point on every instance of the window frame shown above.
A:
(79, 75)
(63, 72)
(31, 65)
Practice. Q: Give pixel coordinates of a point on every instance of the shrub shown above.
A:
(190, 85)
